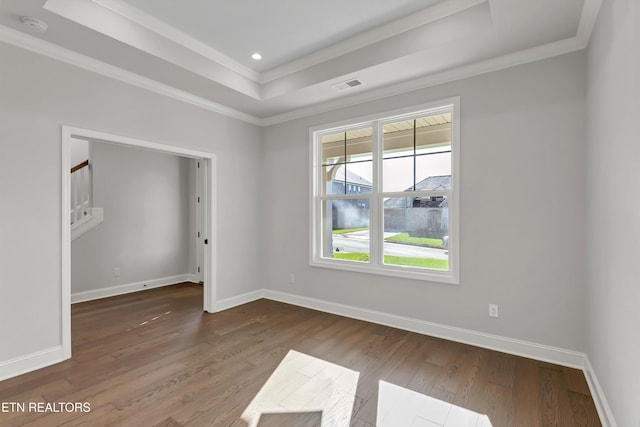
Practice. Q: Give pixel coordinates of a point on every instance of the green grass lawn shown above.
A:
(435, 264)
(349, 230)
(418, 241)
(351, 256)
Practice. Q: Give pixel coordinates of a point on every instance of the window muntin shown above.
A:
(406, 207)
(344, 154)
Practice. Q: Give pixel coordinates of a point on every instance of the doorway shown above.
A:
(205, 184)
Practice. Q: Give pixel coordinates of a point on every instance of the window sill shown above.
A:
(446, 277)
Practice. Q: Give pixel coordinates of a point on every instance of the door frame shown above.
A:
(201, 214)
(208, 194)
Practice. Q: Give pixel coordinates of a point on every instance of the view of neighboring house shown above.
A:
(420, 216)
(352, 182)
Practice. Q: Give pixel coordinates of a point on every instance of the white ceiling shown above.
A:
(199, 51)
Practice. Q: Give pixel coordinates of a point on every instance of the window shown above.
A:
(385, 194)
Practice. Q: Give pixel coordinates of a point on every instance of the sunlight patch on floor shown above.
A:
(305, 388)
(305, 391)
(399, 406)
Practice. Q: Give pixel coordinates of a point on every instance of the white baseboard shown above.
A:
(193, 278)
(604, 410)
(237, 300)
(522, 348)
(128, 288)
(528, 349)
(30, 362)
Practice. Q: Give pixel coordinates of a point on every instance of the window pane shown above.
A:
(359, 144)
(433, 132)
(333, 148)
(397, 174)
(359, 176)
(433, 172)
(398, 139)
(415, 150)
(416, 232)
(334, 179)
(398, 157)
(346, 179)
(346, 147)
(345, 225)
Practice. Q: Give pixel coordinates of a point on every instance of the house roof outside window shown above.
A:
(352, 178)
(431, 183)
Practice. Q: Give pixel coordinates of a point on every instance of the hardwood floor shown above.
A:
(154, 358)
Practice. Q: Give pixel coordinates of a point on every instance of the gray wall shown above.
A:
(522, 209)
(145, 196)
(613, 224)
(37, 96)
(78, 151)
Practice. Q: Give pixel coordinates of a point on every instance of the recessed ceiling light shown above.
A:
(256, 56)
(34, 24)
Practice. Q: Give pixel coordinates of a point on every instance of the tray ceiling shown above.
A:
(200, 52)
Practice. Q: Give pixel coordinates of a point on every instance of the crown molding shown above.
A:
(351, 44)
(415, 20)
(179, 37)
(588, 19)
(34, 44)
(537, 53)
(166, 31)
(117, 25)
(585, 28)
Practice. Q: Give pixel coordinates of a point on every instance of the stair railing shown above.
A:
(81, 197)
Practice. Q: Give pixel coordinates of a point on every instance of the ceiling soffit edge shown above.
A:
(588, 20)
(53, 51)
(385, 53)
(410, 22)
(86, 14)
(34, 44)
(537, 53)
(179, 37)
(119, 26)
(586, 25)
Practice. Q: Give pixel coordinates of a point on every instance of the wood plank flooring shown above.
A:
(153, 358)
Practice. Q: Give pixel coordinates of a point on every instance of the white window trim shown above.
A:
(452, 276)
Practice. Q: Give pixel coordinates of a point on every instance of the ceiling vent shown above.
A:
(349, 84)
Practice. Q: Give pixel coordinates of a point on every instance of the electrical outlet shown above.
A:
(292, 278)
(493, 310)
(116, 271)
